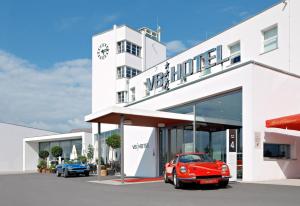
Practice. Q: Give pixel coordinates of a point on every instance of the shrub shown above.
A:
(56, 151)
(114, 141)
(42, 164)
(43, 154)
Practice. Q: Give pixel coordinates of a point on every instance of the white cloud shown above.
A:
(107, 20)
(175, 46)
(67, 23)
(55, 99)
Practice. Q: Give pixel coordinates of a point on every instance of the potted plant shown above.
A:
(42, 166)
(43, 155)
(103, 170)
(114, 142)
(52, 168)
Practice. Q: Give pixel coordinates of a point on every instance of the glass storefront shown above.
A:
(66, 145)
(105, 152)
(214, 116)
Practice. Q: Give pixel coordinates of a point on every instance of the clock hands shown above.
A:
(104, 50)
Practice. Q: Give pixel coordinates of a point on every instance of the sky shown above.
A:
(45, 48)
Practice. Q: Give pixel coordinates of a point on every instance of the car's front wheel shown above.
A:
(66, 174)
(87, 174)
(224, 183)
(176, 181)
(166, 179)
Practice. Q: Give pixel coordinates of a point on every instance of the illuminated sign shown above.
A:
(189, 67)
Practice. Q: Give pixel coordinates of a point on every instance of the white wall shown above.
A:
(274, 96)
(142, 161)
(249, 33)
(11, 153)
(30, 155)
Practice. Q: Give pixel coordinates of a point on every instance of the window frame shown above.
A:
(274, 38)
(286, 157)
(123, 98)
(128, 47)
(235, 54)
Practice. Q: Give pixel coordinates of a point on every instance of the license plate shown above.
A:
(209, 181)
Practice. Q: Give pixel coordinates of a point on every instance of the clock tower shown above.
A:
(118, 55)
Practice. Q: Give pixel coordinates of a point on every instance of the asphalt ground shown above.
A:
(49, 190)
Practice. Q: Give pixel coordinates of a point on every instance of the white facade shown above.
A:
(268, 78)
(31, 146)
(11, 155)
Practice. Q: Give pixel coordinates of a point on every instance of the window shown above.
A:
(128, 72)
(120, 46)
(235, 53)
(120, 72)
(129, 47)
(147, 92)
(122, 97)
(270, 39)
(278, 151)
(132, 94)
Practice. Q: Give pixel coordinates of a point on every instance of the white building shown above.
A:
(20, 146)
(227, 85)
(11, 153)
(34, 144)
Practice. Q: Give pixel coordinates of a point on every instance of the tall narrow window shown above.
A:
(270, 39)
(132, 90)
(128, 47)
(120, 46)
(122, 97)
(235, 53)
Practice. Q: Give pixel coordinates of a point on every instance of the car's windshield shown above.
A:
(195, 158)
(73, 162)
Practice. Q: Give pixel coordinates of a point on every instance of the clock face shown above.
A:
(102, 51)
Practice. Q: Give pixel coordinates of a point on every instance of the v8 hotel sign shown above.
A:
(181, 71)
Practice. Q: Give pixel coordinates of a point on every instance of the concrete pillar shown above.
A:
(122, 146)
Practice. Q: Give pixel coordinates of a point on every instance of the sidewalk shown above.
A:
(287, 182)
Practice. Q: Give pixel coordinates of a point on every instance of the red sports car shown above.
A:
(196, 167)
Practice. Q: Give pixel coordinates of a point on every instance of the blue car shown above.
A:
(72, 168)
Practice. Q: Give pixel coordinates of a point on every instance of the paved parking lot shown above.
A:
(48, 190)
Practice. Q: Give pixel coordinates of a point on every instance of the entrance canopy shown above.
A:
(138, 117)
(288, 122)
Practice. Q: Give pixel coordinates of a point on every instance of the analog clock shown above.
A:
(102, 51)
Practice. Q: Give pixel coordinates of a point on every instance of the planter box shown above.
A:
(103, 172)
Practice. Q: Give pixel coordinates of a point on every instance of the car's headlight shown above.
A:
(224, 168)
(183, 169)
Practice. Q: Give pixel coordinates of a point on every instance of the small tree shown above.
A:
(56, 151)
(43, 154)
(113, 141)
(90, 153)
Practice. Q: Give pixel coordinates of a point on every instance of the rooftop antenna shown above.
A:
(158, 30)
